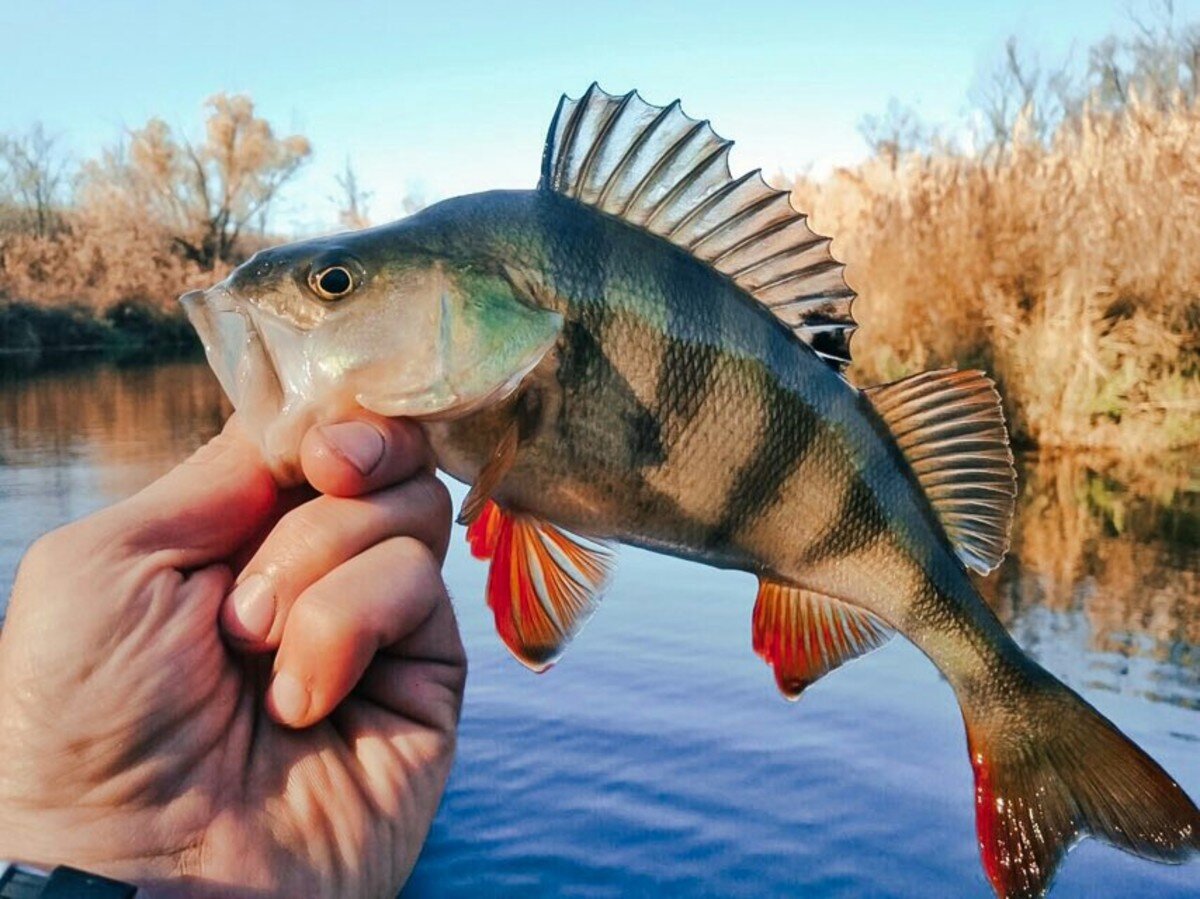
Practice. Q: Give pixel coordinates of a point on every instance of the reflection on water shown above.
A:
(656, 756)
(1103, 581)
(73, 438)
(130, 421)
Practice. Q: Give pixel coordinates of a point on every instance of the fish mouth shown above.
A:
(234, 347)
(240, 356)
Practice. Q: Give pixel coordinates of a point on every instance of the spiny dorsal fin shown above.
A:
(804, 635)
(543, 584)
(662, 171)
(950, 426)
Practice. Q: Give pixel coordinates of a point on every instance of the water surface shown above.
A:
(656, 758)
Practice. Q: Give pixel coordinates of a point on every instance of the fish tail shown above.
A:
(1051, 770)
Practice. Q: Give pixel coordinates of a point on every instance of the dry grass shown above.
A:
(98, 260)
(1071, 270)
(96, 281)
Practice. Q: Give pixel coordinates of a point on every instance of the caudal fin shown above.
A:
(1052, 771)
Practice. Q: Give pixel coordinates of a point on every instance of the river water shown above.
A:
(656, 759)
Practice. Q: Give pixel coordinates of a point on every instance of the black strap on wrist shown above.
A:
(19, 882)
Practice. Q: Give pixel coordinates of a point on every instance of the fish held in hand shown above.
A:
(646, 349)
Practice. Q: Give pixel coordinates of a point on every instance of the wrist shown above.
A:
(23, 881)
(50, 839)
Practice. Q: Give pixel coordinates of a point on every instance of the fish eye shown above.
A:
(332, 282)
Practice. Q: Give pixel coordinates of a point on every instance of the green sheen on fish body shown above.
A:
(648, 350)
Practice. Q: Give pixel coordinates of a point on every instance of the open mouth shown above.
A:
(236, 351)
(253, 355)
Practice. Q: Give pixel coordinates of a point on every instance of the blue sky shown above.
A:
(446, 98)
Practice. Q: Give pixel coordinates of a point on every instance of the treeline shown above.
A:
(96, 254)
(1052, 239)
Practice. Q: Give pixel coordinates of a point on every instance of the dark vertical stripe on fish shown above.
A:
(685, 381)
(608, 403)
(859, 522)
(782, 446)
(685, 377)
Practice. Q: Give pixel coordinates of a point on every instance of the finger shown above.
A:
(316, 538)
(422, 677)
(206, 506)
(337, 626)
(353, 457)
(286, 499)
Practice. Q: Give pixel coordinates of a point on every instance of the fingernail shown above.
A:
(361, 444)
(288, 698)
(251, 609)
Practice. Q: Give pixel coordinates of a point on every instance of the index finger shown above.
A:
(362, 454)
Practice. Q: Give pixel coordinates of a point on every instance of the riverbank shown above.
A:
(62, 328)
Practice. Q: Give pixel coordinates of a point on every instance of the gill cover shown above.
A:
(466, 339)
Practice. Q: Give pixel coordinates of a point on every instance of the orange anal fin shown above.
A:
(543, 585)
(804, 635)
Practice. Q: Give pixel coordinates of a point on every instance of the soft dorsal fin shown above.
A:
(804, 635)
(543, 583)
(664, 172)
(950, 426)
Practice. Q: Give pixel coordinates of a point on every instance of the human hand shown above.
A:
(133, 730)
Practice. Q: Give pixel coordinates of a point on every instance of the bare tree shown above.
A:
(1159, 62)
(32, 177)
(352, 202)
(898, 130)
(1020, 89)
(414, 200)
(205, 196)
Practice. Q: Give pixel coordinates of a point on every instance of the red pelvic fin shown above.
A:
(804, 635)
(543, 585)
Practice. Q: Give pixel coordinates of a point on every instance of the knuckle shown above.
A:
(414, 556)
(84, 538)
(419, 573)
(41, 553)
(303, 533)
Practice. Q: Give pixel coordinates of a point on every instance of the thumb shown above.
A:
(208, 505)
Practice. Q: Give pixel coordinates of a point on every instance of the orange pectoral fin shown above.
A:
(804, 635)
(490, 476)
(484, 531)
(543, 584)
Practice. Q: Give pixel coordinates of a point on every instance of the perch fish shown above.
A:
(646, 349)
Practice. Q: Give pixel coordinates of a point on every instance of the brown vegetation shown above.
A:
(1062, 254)
(1071, 270)
(152, 217)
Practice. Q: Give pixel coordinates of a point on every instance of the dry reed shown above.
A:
(1070, 269)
